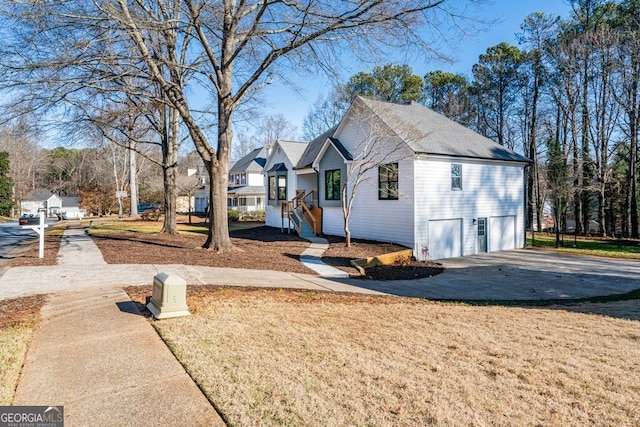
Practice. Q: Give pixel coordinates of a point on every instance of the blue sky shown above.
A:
(509, 13)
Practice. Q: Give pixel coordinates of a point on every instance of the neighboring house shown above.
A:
(246, 191)
(246, 188)
(51, 204)
(428, 183)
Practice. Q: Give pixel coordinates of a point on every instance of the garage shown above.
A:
(502, 233)
(445, 238)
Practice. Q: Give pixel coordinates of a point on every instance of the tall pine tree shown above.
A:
(6, 185)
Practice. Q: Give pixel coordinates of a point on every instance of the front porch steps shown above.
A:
(312, 258)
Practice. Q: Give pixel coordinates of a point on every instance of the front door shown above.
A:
(482, 235)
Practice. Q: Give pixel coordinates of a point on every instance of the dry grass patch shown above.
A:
(266, 357)
(18, 320)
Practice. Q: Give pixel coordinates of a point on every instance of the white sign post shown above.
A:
(40, 230)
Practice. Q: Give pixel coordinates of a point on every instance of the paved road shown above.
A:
(12, 235)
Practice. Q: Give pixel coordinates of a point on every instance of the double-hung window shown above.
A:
(332, 184)
(388, 182)
(282, 187)
(456, 176)
(272, 187)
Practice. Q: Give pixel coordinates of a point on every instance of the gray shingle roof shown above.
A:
(293, 150)
(252, 162)
(313, 149)
(428, 132)
(70, 201)
(247, 189)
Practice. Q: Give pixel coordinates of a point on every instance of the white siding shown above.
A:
(307, 182)
(373, 219)
(273, 216)
(489, 189)
(254, 178)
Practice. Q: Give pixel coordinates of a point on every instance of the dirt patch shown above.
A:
(258, 248)
(17, 310)
(29, 256)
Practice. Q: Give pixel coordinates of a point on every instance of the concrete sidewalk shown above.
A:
(97, 356)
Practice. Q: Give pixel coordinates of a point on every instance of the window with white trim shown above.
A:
(456, 176)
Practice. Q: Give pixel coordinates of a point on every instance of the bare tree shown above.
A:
(268, 130)
(246, 44)
(238, 47)
(375, 148)
(326, 112)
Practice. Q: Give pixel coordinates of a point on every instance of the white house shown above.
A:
(246, 191)
(52, 205)
(246, 184)
(423, 181)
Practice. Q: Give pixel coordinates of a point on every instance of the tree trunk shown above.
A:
(634, 121)
(218, 238)
(133, 181)
(169, 170)
(346, 213)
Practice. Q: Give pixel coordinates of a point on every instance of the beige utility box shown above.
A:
(169, 297)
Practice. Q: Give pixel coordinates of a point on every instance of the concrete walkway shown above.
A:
(312, 258)
(96, 355)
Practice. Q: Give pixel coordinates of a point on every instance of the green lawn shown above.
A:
(588, 246)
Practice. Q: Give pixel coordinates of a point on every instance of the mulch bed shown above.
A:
(258, 248)
(339, 256)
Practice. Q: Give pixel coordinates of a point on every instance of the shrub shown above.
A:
(233, 215)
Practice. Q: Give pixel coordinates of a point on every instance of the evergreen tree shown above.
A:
(6, 185)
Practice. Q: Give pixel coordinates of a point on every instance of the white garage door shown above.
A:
(502, 233)
(445, 238)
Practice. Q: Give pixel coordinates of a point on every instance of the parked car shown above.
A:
(28, 220)
(143, 207)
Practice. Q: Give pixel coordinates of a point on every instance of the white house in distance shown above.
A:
(246, 191)
(423, 181)
(246, 185)
(51, 204)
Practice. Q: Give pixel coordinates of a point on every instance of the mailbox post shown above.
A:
(40, 230)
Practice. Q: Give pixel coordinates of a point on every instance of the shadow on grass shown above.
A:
(265, 234)
(131, 239)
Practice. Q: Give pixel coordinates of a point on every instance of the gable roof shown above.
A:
(293, 150)
(313, 148)
(337, 145)
(252, 162)
(39, 195)
(72, 201)
(428, 132)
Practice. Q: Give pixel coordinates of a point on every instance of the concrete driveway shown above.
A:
(522, 274)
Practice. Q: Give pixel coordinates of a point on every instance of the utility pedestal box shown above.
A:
(169, 298)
